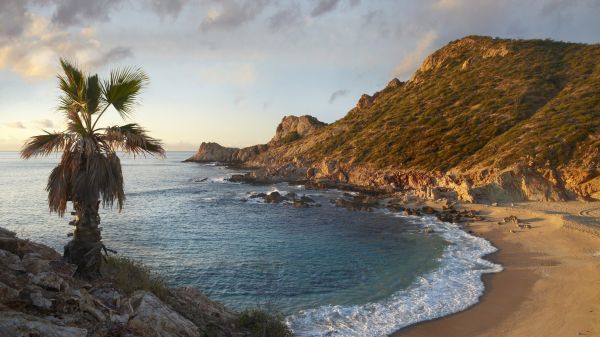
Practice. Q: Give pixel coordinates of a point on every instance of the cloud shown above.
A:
(113, 55)
(34, 55)
(229, 74)
(15, 125)
(13, 18)
(286, 17)
(335, 95)
(43, 123)
(324, 6)
(167, 7)
(412, 60)
(232, 14)
(73, 12)
(447, 4)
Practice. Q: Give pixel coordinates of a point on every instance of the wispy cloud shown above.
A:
(43, 123)
(286, 17)
(115, 54)
(15, 125)
(324, 6)
(412, 60)
(336, 94)
(229, 14)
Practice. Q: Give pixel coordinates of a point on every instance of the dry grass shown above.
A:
(130, 275)
(261, 323)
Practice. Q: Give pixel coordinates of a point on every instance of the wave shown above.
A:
(454, 286)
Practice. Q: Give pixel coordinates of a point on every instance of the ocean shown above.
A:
(330, 271)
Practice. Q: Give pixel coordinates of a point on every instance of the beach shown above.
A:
(550, 285)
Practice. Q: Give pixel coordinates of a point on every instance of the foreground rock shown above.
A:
(39, 296)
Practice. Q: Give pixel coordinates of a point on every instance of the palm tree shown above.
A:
(89, 171)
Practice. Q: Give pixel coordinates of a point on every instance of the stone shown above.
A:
(7, 293)
(6, 233)
(212, 317)
(428, 210)
(34, 263)
(16, 324)
(364, 102)
(49, 280)
(109, 296)
(150, 314)
(38, 300)
(10, 261)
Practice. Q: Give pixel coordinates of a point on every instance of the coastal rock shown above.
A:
(7, 293)
(293, 127)
(10, 261)
(211, 317)
(154, 318)
(49, 280)
(364, 102)
(213, 152)
(16, 324)
(38, 300)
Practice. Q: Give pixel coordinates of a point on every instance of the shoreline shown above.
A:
(550, 285)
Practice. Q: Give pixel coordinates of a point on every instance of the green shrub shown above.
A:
(261, 323)
(130, 275)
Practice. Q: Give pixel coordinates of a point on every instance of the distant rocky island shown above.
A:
(482, 120)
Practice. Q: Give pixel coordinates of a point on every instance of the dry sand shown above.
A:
(550, 285)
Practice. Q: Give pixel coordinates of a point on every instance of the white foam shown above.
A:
(454, 286)
(220, 180)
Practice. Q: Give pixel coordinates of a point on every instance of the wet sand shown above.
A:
(550, 285)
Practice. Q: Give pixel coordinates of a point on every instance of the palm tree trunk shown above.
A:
(85, 249)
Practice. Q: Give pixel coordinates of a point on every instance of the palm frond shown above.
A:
(132, 138)
(123, 88)
(72, 86)
(92, 94)
(60, 182)
(102, 177)
(43, 145)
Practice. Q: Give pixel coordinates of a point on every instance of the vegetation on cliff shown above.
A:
(476, 109)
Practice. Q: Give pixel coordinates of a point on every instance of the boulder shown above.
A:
(10, 261)
(154, 318)
(16, 324)
(49, 281)
(38, 300)
(211, 317)
(7, 293)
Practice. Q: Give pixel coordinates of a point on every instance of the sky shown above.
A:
(229, 70)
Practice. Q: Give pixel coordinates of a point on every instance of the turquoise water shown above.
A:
(321, 266)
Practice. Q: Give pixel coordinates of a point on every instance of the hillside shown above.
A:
(491, 119)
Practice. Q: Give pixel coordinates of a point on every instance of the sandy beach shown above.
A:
(550, 285)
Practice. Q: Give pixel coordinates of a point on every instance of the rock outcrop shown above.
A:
(213, 152)
(292, 128)
(40, 296)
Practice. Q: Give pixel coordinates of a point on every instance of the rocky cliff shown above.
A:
(40, 296)
(290, 129)
(482, 119)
